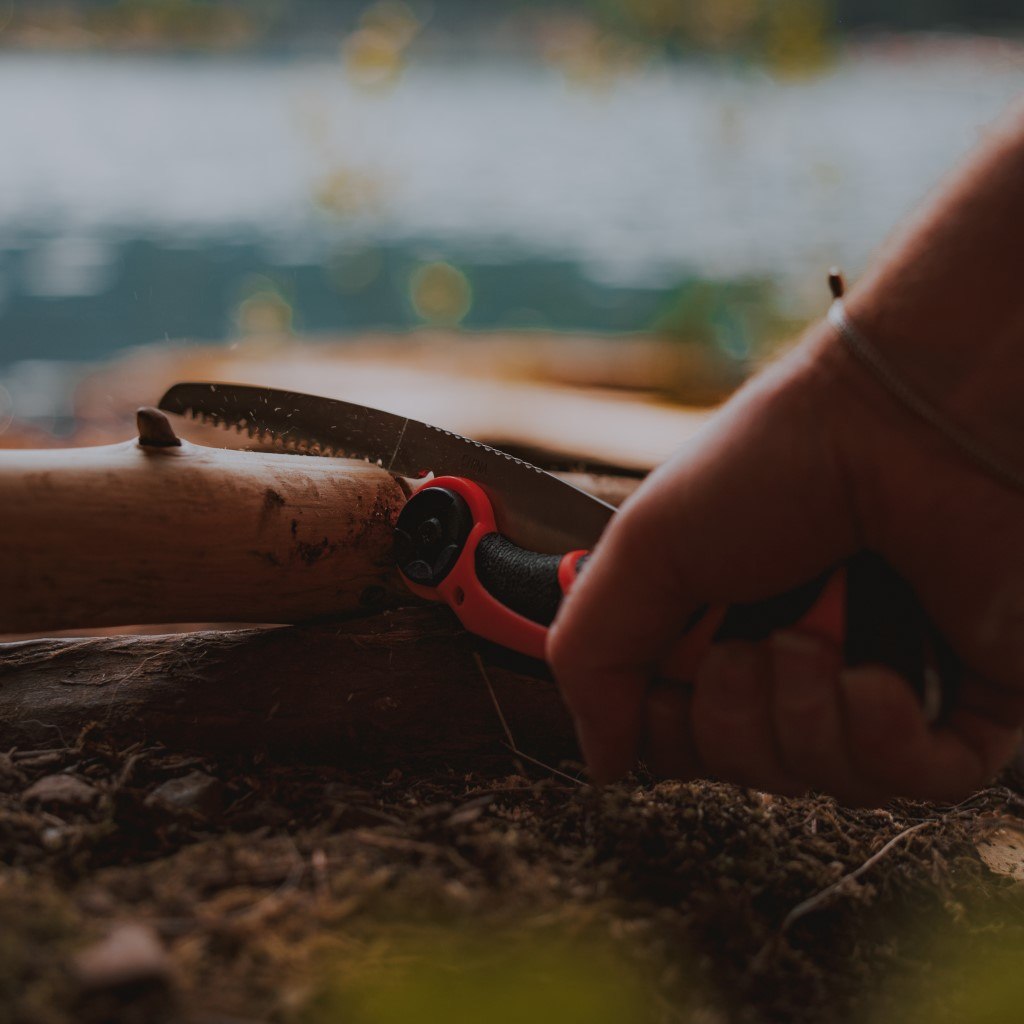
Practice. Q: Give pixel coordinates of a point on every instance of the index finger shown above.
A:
(604, 645)
(752, 506)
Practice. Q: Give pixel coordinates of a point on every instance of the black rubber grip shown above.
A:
(884, 625)
(522, 580)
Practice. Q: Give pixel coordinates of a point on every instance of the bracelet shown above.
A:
(868, 355)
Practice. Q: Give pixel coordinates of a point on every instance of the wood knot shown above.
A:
(155, 430)
(836, 283)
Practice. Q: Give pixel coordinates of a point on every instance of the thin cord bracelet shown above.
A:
(865, 352)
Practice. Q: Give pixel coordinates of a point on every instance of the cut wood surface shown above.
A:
(123, 535)
(391, 689)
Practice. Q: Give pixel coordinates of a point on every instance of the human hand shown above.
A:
(810, 463)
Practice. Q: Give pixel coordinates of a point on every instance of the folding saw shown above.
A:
(502, 542)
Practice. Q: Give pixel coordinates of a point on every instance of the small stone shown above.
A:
(52, 838)
(1002, 850)
(62, 791)
(97, 902)
(195, 793)
(130, 954)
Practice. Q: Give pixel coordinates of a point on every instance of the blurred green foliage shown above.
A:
(458, 977)
(792, 35)
(535, 974)
(742, 319)
(789, 34)
(955, 983)
(37, 931)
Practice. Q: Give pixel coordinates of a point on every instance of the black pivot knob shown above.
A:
(430, 534)
(430, 531)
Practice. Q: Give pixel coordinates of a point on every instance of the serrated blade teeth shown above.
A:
(534, 509)
(280, 437)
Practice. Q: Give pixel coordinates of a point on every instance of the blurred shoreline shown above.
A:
(152, 194)
(514, 27)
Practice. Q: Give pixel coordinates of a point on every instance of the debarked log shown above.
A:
(160, 530)
(131, 534)
(404, 687)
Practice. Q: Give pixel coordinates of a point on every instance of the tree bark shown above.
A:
(402, 688)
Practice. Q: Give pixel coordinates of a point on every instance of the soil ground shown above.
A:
(275, 892)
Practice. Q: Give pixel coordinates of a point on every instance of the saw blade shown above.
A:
(533, 508)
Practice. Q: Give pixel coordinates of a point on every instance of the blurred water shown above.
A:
(143, 197)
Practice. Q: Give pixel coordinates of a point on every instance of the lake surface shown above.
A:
(144, 198)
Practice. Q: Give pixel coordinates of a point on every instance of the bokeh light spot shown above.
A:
(797, 37)
(440, 293)
(719, 24)
(354, 270)
(6, 409)
(348, 192)
(372, 58)
(374, 54)
(263, 310)
(394, 18)
(588, 56)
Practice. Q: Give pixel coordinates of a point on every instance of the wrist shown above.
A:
(966, 388)
(970, 445)
(944, 302)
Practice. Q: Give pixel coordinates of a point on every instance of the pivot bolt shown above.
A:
(430, 531)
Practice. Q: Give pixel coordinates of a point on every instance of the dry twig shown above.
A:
(512, 746)
(501, 714)
(812, 903)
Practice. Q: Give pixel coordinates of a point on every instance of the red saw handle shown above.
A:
(448, 549)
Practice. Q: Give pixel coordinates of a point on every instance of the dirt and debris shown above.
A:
(195, 794)
(145, 883)
(64, 790)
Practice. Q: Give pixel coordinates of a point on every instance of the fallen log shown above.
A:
(400, 688)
